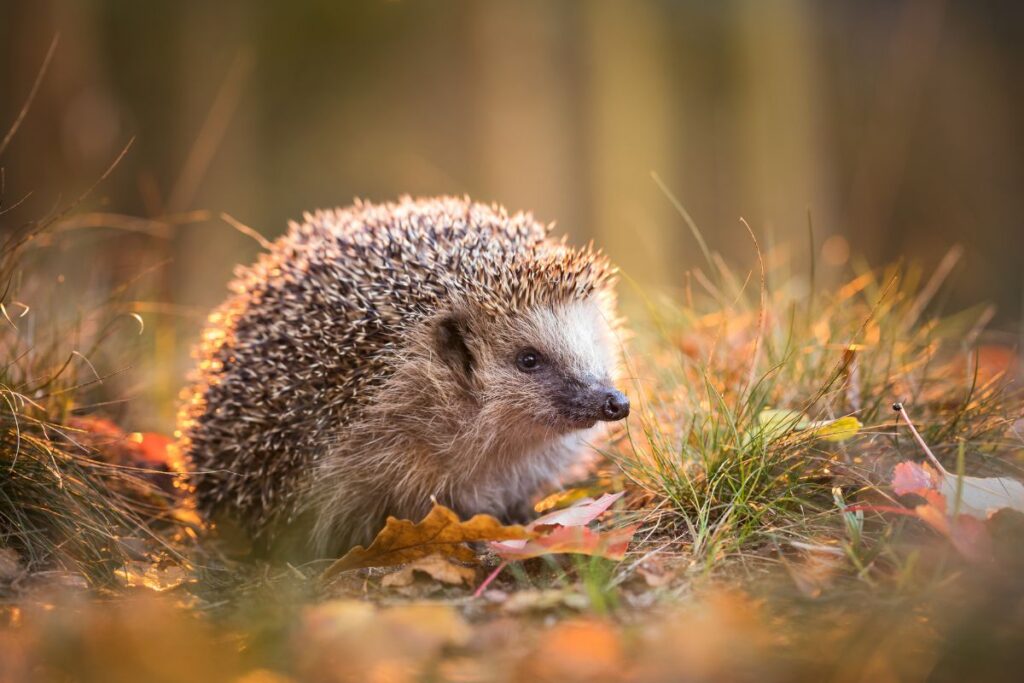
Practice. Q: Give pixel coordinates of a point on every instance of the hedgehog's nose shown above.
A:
(615, 407)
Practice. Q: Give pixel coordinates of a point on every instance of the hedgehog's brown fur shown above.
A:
(322, 388)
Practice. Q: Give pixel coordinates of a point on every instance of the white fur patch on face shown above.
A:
(578, 336)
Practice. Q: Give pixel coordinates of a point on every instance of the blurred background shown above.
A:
(898, 127)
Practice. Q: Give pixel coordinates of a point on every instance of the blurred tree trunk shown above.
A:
(214, 164)
(782, 160)
(631, 132)
(531, 152)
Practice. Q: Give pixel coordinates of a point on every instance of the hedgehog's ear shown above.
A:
(450, 337)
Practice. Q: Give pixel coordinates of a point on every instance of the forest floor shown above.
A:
(817, 482)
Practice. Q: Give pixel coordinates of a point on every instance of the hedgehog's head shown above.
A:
(530, 342)
(549, 369)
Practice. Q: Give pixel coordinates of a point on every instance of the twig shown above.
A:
(898, 407)
(490, 577)
(246, 230)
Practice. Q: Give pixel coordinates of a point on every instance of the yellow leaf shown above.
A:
(439, 533)
(836, 430)
(563, 499)
(775, 423)
(780, 418)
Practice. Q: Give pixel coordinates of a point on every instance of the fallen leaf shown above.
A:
(994, 361)
(978, 497)
(436, 567)
(583, 512)
(910, 477)
(65, 580)
(440, 532)
(263, 676)
(534, 600)
(781, 416)
(158, 450)
(966, 531)
(982, 497)
(563, 499)
(579, 540)
(567, 533)
(564, 531)
(836, 430)
(776, 423)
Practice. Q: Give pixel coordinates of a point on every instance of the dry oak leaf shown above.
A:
(439, 533)
(436, 567)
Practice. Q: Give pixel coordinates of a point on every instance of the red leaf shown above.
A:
(910, 477)
(565, 531)
(579, 540)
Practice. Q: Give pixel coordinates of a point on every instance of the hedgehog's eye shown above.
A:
(529, 360)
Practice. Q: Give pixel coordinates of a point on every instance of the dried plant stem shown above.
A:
(490, 578)
(31, 95)
(898, 407)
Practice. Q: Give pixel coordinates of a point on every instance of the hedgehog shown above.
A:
(382, 358)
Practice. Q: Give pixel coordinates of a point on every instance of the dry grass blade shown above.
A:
(31, 95)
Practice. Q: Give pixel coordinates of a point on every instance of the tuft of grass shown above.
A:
(729, 479)
(63, 504)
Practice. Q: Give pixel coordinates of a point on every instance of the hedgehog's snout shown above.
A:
(583, 405)
(615, 406)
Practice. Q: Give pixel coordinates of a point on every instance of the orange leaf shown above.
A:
(440, 532)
